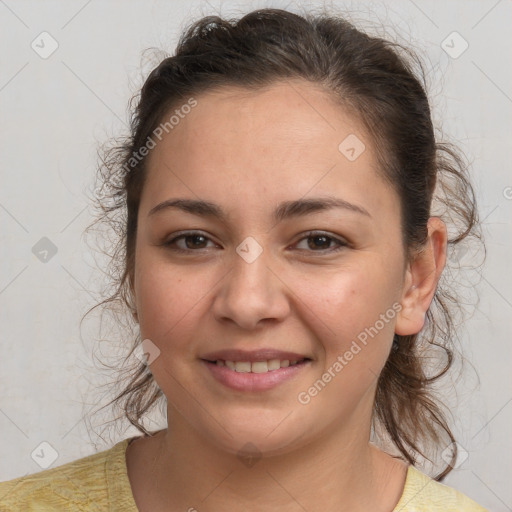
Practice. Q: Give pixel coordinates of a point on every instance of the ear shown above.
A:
(422, 276)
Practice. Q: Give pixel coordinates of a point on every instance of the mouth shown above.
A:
(258, 370)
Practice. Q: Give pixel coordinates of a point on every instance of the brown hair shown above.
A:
(373, 78)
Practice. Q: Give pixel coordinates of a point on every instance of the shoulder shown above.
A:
(84, 484)
(423, 494)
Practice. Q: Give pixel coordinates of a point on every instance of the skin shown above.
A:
(248, 151)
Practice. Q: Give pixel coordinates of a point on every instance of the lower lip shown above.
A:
(254, 381)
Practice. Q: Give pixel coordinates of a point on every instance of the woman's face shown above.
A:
(252, 284)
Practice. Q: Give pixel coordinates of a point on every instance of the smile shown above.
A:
(254, 376)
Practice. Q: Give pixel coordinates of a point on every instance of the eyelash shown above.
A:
(341, 244)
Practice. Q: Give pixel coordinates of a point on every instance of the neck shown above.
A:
(337, 471)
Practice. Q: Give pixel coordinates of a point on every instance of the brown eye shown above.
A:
(196, 241)
(321, 242)
(191, 241)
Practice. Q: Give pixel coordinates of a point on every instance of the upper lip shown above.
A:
(262, 354)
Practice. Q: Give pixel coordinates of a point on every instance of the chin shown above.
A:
(252, 438)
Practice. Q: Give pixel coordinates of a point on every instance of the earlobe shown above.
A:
(411, 318)
(421, 280)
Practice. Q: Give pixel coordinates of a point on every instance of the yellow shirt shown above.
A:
(100, 482)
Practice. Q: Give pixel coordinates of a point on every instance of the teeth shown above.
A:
(257, 366)
(242, 366)
(274, 364)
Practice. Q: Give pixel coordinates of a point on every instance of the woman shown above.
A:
(283, 263)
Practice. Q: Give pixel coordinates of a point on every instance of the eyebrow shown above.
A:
(285, 210)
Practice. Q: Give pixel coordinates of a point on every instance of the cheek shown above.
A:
(166, 299)
(353, 319)
(351, 305)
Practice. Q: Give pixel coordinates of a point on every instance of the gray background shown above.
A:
(55, 111)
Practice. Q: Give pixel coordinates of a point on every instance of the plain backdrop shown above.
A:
(67, 72)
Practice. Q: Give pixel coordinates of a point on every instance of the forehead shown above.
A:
(292, 112)
(258, 146)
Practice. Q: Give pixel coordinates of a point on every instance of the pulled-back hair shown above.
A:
(383, 85)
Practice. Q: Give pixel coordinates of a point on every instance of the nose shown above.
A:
(252, 293)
